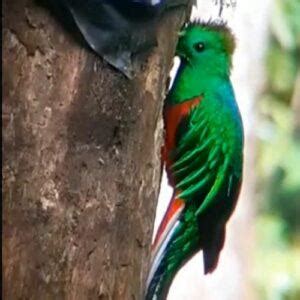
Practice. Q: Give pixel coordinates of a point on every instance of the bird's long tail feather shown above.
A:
(164, 234)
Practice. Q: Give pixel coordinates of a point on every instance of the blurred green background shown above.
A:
(277, 255)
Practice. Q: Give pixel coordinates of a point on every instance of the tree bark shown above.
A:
(81, 168)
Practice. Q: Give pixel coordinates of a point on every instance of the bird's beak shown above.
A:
(181, 33)
(179, 51)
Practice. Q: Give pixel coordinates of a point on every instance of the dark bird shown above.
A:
(117, 30)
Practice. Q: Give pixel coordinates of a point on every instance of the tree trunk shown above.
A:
(81, 167)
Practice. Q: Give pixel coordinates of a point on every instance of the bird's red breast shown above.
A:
(173, 115)
(175, 207)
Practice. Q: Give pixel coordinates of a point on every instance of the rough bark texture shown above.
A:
(81, 165)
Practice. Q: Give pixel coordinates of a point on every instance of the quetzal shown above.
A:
(117, 30)
(203, 153)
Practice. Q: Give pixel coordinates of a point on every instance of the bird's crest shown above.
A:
(216, 26)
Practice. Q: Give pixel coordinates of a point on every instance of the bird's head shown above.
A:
(207, 45)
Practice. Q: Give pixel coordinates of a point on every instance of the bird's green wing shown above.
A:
(201, 161)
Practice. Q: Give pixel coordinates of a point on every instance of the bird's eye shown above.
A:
(199, 47)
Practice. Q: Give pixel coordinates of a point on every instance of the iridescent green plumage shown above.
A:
(203, 153)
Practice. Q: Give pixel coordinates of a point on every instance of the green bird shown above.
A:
(203, 153)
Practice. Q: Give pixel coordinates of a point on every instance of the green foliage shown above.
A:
(277, 269)
(277, 273)
(285, 23)
(279, 154)
(281, 69)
